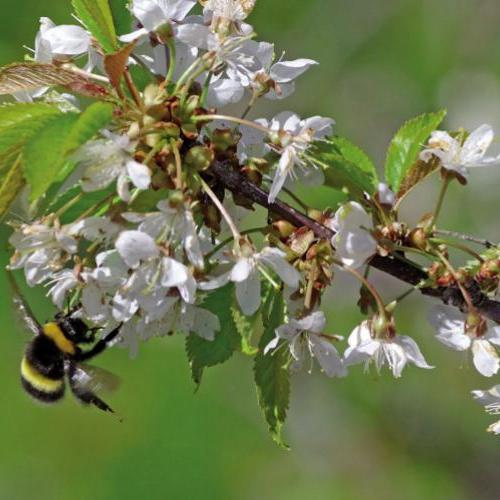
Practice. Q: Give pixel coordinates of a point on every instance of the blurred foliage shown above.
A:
(382, 62)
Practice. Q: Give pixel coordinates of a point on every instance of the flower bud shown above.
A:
(199, 157)
(252, 175)
(165, 32)
(314, 214)
(171, 130)
(151, 93)
(223, 139)
(284, 228)
(418, 238)
(192, 104)
(176, 199)
(302, 240)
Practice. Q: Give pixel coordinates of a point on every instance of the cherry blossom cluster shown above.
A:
(165, 234)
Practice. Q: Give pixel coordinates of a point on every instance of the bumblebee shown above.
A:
(54, 356)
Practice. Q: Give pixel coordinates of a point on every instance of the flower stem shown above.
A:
(222, 210)
(178, 164)
(458, 246)
(68, 205)
(444, 188)
(233, 119)
(221, 245)
(465, 293)
(206, 87)
(133, 89)
(172, 54)
(368, 285)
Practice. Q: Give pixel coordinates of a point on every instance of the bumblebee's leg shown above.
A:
(99, 347)
(84, 395)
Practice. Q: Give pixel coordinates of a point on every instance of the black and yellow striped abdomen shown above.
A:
(40, 386)
(42, 370)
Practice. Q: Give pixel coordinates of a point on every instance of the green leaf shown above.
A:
(93, 119)
(247, 327)
(29, 76)
(271, 372)
(96, 16)
(44, 154)
(203, 353)
(357, 156)
(11, 183)
(121, 15)
(13, 114)
(407, 144)
(346, 167)
(18, 123)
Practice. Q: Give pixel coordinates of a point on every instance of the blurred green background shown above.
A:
(382, 61)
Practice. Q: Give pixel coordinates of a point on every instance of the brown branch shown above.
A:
(403, 270)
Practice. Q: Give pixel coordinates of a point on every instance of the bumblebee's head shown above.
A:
(74, 329)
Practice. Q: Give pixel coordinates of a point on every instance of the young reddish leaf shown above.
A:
(116, 64)
(30, 76)
(87, 88)
(417, 173)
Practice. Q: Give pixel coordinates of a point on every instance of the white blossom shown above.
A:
(54, 42)
(453, 332)
(279, 76)
(306, 340)
(152, 14)
(230, 10)
(173, 225)
(353, 243)
(295, 137)
(490, 399)
(42, 249)
(246, 275)
(104, 160)
(101, 284)
(457, 157)
(61, 284)
(135, 247)
(396, 352)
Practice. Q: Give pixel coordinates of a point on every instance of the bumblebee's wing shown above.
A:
(23, 310)
(92, 379)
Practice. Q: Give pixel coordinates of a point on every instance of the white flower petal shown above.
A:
(327, 357)
(485, 358)
(67, 40)
(139, 174)
(135, 247)
(248, 294)
(286, 71)
(243, 268)
(275, 259)
(174, 273)
(284, 167)
(395, 357)
(412, 351)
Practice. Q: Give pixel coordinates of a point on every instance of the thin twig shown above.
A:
(465, 237)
